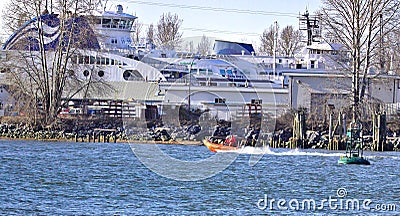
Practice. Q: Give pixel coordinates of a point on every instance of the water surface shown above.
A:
(61, 178)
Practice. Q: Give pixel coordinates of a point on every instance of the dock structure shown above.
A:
(99, 135)
(106, 133)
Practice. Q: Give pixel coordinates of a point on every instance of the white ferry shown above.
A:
(225, 81)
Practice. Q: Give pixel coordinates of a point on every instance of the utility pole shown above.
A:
(382, 51)
(275, 44)
(190, 80)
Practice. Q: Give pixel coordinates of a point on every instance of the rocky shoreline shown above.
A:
(85, 133)
(184, 135)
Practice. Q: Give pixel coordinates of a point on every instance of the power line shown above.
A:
(221, 31)
(216, 9)
(216, 31)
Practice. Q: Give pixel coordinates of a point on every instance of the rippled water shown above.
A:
(59, 178)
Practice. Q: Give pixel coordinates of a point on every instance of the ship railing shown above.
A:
(120, 51)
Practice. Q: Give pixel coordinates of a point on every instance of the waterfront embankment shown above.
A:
(104, 130)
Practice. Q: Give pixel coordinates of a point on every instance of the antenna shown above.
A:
(105, 5)
(311, 25)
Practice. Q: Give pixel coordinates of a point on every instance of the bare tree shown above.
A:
(360, 25)
(150, 34)
(290, 41)
(392, 52)
(168, 35)
(191, 46)
(203, 48)
(21, 13)
(267, 40)
(40, 68)
(138, 31)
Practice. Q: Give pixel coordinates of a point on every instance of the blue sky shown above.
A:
(246, 23)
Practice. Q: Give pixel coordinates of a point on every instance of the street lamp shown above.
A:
(190, 77)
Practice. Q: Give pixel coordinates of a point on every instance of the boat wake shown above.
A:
(292, 152)
(297, 152)
(382, 156)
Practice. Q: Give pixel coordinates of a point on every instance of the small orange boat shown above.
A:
(216, 147)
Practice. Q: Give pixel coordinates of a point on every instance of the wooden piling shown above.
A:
(379, 131)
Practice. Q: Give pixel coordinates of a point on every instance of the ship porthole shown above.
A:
(86, 73)
(100, 73)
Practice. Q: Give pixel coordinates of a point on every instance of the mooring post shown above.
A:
(330, 131)
(379, 131)
(344, 124)
(382, 131)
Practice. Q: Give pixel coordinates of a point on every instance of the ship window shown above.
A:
(102, 61)
(112, 62)
(92, 60)
(80, 59)
(107, 61)
(86, 59)
(115, 23)
(100, 73)
(122, 24)
(219, 100)
(256, 101)
(130, 23)
(312, 64)
(222, 72)
(74, 59)
(106, 23)
(114, 41)
(203, 71)
(132, 75)
(126, 75)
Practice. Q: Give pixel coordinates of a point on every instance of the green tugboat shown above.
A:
(354, 146)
